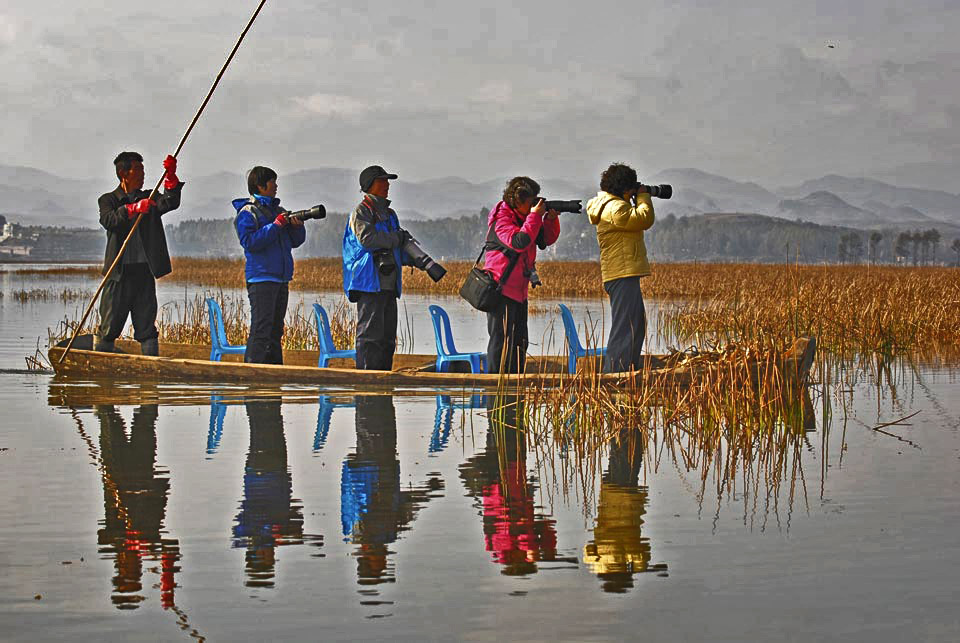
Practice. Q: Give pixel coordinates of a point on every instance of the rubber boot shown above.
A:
(104, 346)
(150, 347)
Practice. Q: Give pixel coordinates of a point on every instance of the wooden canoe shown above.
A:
(190, 363)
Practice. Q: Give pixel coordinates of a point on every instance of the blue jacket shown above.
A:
(359, 268)
(266, 246)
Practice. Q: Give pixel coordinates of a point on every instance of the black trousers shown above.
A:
(507, 327)
(376, 329)
(134, 294)
(629, 325)
(268, 306)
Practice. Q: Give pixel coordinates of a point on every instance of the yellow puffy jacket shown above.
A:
(620, 228)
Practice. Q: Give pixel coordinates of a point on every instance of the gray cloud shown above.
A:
(490, 88)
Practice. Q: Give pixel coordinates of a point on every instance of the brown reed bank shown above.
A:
(49, 294)
(850, 309)
(885, 309)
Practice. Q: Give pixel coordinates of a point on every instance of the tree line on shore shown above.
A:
(708, 237)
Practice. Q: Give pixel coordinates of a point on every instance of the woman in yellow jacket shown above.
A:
(621, 213)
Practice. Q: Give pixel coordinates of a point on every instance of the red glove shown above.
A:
(140, 207)
(280, 220)
(170, 180)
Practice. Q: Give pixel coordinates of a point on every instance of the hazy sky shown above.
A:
(486, 89)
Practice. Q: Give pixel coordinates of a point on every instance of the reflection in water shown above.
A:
(373, 508)
(269, 515)
(516, 535)
(218, 412)
(618, 550)
(324, 414)
(135, 501)
(443, 419)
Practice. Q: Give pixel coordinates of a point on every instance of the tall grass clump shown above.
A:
(186, 322)
(850, 309)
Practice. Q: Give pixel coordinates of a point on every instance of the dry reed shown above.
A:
(738, 426)
(850, 309)
(186, 322)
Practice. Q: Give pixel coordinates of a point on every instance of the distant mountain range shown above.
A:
(34, 197)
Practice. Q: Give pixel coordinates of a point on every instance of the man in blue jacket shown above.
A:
(267, 237)
(373, 257)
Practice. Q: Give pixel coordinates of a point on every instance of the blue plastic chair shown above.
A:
(219, 346)
(327, 350)
(574, 347)
(442, 333)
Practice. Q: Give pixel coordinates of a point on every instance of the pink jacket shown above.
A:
(521, 235)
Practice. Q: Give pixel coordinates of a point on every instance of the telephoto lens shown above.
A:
(662, 191)
(574, 206)
(316, 212)
(423, 261)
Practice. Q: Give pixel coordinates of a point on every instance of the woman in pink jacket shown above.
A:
(517, 226)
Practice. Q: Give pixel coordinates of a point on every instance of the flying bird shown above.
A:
(832, 46)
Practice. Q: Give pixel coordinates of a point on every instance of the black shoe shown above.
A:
(103, 346)
(150, 347)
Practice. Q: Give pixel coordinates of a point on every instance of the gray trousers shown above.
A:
(628, 325)
(376, 329)
(134, 294)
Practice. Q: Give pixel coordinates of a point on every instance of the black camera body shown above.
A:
(384, 261)
(573, 206)
(662, 191)
(316, 212)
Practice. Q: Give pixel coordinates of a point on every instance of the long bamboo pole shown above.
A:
(156, 188)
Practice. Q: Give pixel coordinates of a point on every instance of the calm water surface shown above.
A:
(152, 512)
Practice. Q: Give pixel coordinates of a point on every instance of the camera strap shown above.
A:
(496, 244)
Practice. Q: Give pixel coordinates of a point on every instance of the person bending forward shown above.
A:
(621, 214)
(516, 227)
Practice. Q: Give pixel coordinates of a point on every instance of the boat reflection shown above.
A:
(269, 516)
(618, 549)
(515, 533)
(374, 510)
(135, 493)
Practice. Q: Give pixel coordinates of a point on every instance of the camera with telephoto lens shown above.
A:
(662, 191)
(421, 259)
(316, 212)
(574, 206)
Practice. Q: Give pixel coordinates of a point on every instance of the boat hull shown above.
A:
(186, 363)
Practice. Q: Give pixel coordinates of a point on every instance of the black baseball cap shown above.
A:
(371, 174)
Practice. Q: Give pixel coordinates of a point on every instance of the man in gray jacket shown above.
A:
(132, 289)
(373, 256)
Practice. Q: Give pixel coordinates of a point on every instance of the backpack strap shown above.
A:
(494, 243)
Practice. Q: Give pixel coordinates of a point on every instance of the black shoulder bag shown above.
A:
(481, 289)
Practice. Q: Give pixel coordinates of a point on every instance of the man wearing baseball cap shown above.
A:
(373, 257)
